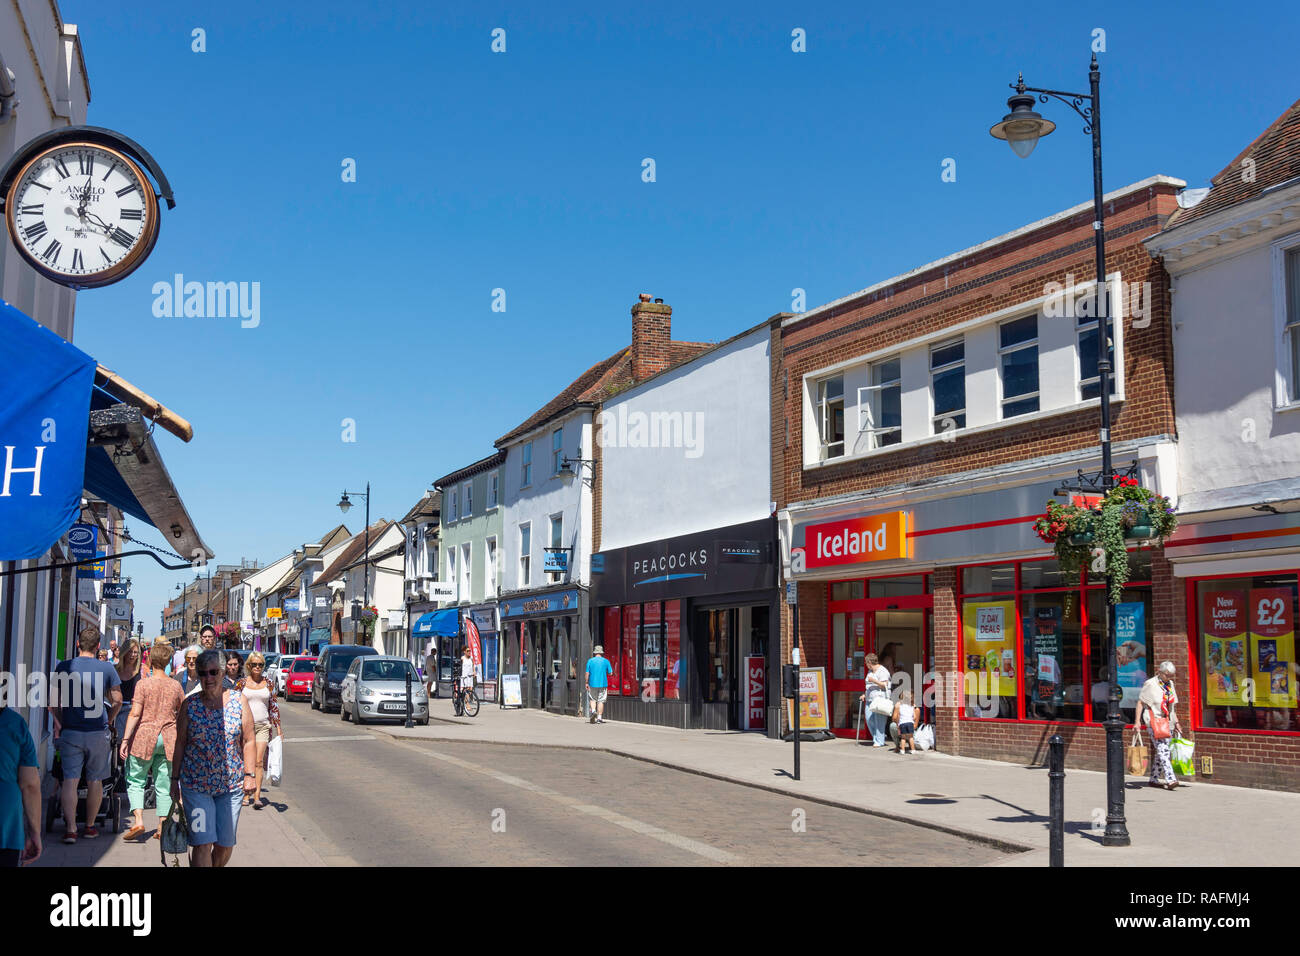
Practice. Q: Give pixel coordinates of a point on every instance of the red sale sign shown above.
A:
(755, 694)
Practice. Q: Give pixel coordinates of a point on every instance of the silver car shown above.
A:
(375, 688)
(278, 671)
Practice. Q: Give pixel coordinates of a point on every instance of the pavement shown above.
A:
(999, 803)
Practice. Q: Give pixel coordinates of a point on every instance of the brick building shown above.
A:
(919, 426)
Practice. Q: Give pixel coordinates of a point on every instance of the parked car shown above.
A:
(277, 672)
(297, 684)
(375, 688)
(331, 667)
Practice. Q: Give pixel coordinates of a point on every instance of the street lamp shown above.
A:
(183, 590)
(345, 506)
(1022, 128)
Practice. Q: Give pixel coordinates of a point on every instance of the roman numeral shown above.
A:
(61, 168)
(107, 257)
(126, 189)
(121, 237)
(109, 172)
(132, 213)
(52, 251)
(35, 232)
(33, 210)
(86, 164)
(77, 261)
(42, 185)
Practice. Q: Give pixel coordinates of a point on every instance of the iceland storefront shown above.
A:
(687, 623)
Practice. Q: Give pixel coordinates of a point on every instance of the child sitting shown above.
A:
(905, 717)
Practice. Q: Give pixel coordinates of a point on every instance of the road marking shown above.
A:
(576, 804)
(308, 740)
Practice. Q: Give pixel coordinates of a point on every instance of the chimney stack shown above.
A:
(652, 326)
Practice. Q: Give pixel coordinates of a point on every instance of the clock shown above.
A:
(83, 214)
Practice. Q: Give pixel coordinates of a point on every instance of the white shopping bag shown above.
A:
(275, 760)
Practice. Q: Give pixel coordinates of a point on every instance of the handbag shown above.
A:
(1160, 728)
(1136, 757)
(174, 835)
(882, 705)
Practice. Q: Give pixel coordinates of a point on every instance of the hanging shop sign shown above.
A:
(814, 714)
(556, 561)
(274, 612)
(116, 589)
(442, 590)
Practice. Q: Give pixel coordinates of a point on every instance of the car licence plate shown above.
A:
(393, 705)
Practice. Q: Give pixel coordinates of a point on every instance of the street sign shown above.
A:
(116, 589)
(442, 590)
(791, 592)
(274, 612)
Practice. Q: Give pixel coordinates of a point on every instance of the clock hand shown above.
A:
(85, 198)
(103, 225)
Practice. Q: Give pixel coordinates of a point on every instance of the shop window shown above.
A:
(847, 591)
(830, 417)
(651, 647)
(1053, 656)
(674, 670)
(988, 578)
(1245, 641)
(610, 639)
(1035, 575)
(905, 586)
(948, 386)
(989, 648)
(1018, 357)
(1139, 569)
(631, 647)
(1133, 630)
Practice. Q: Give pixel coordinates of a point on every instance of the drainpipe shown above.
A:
(8, 100)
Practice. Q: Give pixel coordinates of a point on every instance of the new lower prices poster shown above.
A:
(1223, 626)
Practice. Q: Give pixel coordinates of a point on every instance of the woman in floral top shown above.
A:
(1158, 699)
(214, 746)
(266, 717)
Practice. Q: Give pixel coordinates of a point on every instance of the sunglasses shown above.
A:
(209, 673)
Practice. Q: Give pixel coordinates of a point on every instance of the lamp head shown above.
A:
(344, 505)
(1022, 127)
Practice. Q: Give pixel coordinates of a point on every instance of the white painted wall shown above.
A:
(52, 92)
(650, 493)
(1224, 368)
(547, 494)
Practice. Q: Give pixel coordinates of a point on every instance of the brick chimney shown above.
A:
(652, 326)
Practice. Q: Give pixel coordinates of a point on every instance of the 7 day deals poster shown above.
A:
(1223, 626)
(1272, 641)
(989, 629)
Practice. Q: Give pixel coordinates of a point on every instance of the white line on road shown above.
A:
(628, 823)
(308, 740)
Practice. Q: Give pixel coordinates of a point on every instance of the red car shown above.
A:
(297, 684)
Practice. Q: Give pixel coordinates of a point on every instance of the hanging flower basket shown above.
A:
(1095, 539)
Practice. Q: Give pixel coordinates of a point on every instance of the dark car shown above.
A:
(331, 666)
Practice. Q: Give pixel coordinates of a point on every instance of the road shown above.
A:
(360, 797)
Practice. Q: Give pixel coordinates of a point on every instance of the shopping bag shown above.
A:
(882, 705)
(1136, 757)
(174, 835)
(924, 737)
(1180, 755)
(275, 760)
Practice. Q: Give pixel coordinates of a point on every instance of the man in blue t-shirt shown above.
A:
(88, 701)
(598, 671)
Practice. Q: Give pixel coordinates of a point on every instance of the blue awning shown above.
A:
(45, 385)
(444, 623)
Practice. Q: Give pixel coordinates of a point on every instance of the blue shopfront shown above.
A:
(546, 643)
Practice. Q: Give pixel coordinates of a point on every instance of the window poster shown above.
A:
(1223, 628)
(989, 629)
(1272, 641)
(1131, 649)
(1044, 631)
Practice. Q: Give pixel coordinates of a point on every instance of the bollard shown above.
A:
(409, 722)
(1056, 801)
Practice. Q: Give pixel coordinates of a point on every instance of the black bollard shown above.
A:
(409, 722)
(1056, 801)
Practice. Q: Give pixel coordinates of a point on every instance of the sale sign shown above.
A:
(989, 639)
(1223, 627)
(755, 693)
(877, 538)
(1272, 641)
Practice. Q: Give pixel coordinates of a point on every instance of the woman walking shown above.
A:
(20, 792)
(214, 746)
(877, 684)
(266, 717)
(128, 671)
(234, 669)
(149, 742)
(1156, 703)
(188, 676)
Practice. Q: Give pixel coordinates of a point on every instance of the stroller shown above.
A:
(110, 806)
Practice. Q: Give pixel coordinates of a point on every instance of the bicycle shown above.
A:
(463, 703)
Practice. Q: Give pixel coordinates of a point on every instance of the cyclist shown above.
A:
(466, 672)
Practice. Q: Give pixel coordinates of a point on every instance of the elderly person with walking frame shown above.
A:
(214, 750)
(1156, 703)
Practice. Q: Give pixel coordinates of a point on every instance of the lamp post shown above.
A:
(183, 590)
(1022, 128)
(345, 506)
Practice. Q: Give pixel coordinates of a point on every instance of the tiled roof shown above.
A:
(428, 506)
(603, 380)
(354, 549)
(482, 464)
(1276, 157)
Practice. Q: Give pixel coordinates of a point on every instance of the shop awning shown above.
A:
(444, 623)
(89, 429)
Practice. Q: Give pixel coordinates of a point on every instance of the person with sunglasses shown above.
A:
(266, 717)
(215, 748)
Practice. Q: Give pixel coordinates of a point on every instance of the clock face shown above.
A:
(82, 214)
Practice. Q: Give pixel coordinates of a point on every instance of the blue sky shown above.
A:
(522, 171)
